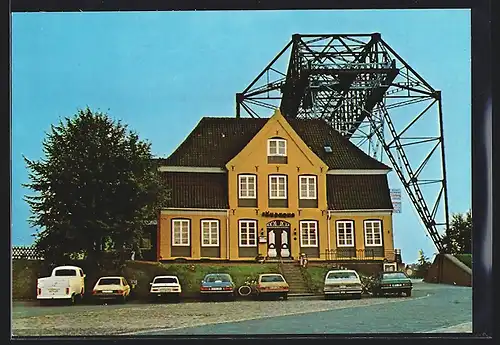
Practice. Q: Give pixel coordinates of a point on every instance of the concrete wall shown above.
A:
(446, 269)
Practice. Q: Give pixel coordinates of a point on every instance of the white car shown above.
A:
(111, 288)
(165, 286)
(342, 283)
(65, 283)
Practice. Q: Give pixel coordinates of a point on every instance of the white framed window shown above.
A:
(308, 233)
(180, 232)
(248, 233)
(307, 185)
(277, 187)
(210, 233)
(373, 233)
(247, 186)
(345, 233)
(276, 147)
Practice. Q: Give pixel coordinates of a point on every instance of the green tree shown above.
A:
(458, 237)
(423, 264)
(96, 184)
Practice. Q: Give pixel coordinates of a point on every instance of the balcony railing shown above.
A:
(359, 254)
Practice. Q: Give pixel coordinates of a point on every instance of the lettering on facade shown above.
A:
(278, 224)
(277, 214)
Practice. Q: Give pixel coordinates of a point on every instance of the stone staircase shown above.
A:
(292, 273)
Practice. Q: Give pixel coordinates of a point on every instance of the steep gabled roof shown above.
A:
(216, 140)
(197, 190)
(358, 192)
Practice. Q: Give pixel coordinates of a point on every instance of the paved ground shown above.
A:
(432, 308)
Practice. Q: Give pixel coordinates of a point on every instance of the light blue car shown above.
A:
(217, 284)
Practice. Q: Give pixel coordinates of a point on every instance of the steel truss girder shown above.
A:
(353, 82)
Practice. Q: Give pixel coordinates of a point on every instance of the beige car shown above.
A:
(271, 285)
(342, 283)
(111, 288)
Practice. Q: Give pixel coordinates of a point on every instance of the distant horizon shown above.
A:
(161, 72)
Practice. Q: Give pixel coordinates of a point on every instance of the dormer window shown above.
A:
(276, 151)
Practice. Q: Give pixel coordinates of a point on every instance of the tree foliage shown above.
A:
(423, 264)
(458, 237)
(97, 184)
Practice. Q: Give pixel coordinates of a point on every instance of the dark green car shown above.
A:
(391, 283)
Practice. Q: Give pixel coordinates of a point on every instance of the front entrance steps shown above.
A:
(293, 275)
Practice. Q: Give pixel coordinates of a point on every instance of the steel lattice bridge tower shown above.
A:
(364, 90)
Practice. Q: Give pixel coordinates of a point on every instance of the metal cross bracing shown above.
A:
(362, 88)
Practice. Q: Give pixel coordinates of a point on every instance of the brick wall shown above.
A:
(447, 269)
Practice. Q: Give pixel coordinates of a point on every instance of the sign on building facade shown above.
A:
(396, 199)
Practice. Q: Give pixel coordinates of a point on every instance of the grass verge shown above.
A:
(465, 258)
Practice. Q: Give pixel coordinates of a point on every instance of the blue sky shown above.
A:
(160, 72)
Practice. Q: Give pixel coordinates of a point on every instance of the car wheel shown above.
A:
(327, 297)
(72, 300)
(408, 293)
(285, 296)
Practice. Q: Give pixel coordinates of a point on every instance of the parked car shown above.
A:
(342, 283)
(65, 283)
(165, 286)
(271, 285)
(111, 288)
(392, 283)
(217, 284)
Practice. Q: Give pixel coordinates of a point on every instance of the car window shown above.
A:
(65, 273)
(109, 281)
(271, 279)
(124, 282)
(81, 273)
(222, 277)
(166, 280)
(394, 275)
(342, 275)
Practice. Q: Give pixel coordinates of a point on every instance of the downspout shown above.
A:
(227, 235)
(328, 216)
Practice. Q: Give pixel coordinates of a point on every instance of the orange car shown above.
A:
(272, 285)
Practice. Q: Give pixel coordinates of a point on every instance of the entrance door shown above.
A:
(278, 243)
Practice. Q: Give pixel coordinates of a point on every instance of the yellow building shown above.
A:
(275, 188)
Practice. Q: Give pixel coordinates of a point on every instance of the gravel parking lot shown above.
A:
(115, 319)
(118, 319)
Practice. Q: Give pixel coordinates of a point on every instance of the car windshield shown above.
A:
(65, 273)
(220, 277)
(342, 275)
(395, 275)
(165, 280)
(109, 281)
(271, 279)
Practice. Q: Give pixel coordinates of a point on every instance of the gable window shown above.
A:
(308, 234)
(209, 233)
(345, 233)
(373, 233)
(276, 147)
(277, 187)
(180, 232)
(248, 233)
(247, 186)
(307, 185)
